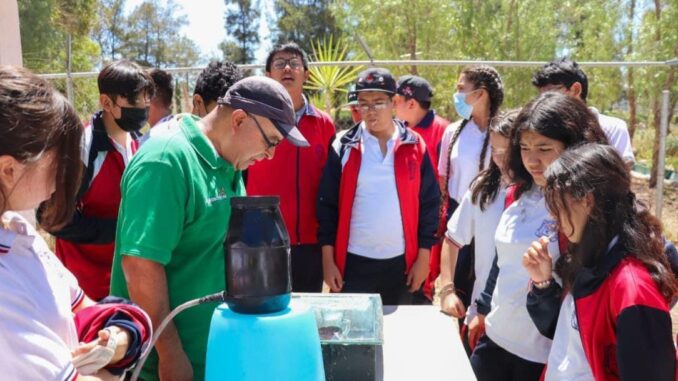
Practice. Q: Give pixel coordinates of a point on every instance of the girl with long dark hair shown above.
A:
(477, 217)
(512, 347)
(613, 322)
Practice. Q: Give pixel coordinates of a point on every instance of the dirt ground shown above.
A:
(669, 218)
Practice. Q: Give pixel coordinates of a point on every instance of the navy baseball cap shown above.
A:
(266, 97)
(415, 87)
(376, 79)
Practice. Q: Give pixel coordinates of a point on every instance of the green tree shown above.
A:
(304, 21)
(456, 30)
(109, 32)
(658, 41)
(241, 22)
(45, 26)
(153, 36)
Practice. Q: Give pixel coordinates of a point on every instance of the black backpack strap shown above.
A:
(100, 143)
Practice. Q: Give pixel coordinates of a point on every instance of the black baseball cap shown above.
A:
(376, 79)
(415, 87)
(266, 97)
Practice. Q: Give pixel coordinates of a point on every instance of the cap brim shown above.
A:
(293, 135)
(375, 90)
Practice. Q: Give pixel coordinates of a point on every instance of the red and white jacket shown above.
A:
(623, 319)
(418, 193)
(294, 175)
(85, 245)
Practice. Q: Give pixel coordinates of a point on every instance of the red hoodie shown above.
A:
(294, 175)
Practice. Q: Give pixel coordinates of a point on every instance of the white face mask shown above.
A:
(461, 106)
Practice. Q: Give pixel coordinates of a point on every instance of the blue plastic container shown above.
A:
(278, 346)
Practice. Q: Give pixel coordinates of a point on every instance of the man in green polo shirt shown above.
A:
(175, 211)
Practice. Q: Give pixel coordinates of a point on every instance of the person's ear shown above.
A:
(307, 74)
(268, 74)
(589, 202)
(238, 118)
(575, 90)
(198, 106)
(106, 103)
(8, 171)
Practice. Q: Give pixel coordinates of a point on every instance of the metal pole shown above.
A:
(365, 48)
(664, 126)
(69, 77)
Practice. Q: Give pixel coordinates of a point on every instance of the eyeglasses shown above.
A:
(269, 144)
(280, 63)
(379, 106)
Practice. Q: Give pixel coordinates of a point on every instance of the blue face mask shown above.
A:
(463, 109)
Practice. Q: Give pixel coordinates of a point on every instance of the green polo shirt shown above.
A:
(175, 211)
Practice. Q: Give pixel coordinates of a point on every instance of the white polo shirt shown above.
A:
(617, 133)
(567, 359)
(37, 294)
(508, 324)
(376, 222)
(469, 222)
(464, 159)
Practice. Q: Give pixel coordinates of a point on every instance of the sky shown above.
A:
(206, 25)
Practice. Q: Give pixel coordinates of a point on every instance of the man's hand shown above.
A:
(176, 367)
(419, 271)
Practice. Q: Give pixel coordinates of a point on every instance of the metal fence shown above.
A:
(659, 197)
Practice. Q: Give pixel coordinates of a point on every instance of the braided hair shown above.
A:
(482, 77)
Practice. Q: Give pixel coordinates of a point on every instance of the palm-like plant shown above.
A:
(328, 80)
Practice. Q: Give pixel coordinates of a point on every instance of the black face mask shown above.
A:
(132, 119)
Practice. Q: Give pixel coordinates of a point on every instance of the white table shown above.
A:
(421, 343)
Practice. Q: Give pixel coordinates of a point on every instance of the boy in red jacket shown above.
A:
(378, 200)
(413, 106)
(294, 172)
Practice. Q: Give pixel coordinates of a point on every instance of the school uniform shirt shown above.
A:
(464, 159)
(617, 133)
(469, 222)
(508, 324)
(376, 222)
(37, 296)
(415, 184)
(567, 360)
(622, 319)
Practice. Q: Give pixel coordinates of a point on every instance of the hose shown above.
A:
(216, 297)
